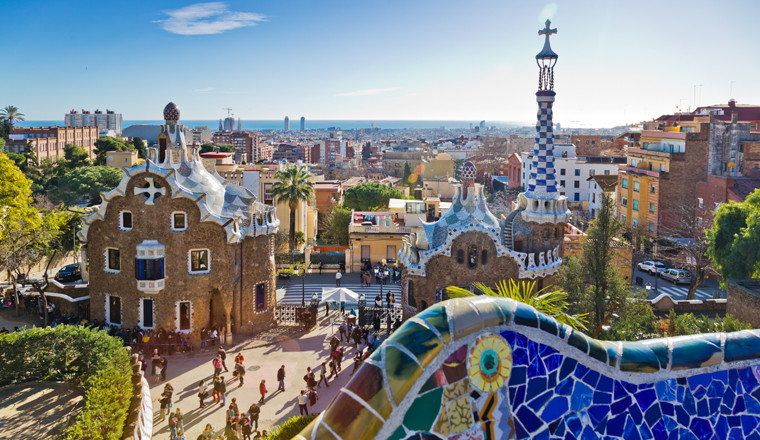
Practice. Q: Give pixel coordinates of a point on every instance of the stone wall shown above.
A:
(744, 300)
(664, 303)
(492, 368)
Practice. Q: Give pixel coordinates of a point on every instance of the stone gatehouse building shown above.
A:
(173, 247)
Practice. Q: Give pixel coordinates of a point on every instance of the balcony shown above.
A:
(151, 286)
(650, 173)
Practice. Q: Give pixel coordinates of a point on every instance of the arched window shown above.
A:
(410, 295)
(424, 305)
(556, 233)
(460, 256)
(484, 257)
(472, 256)
(546, 234)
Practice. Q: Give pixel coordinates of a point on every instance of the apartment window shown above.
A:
(699, 221)
(577, 197)
(625, 183)
(716, 205)
(662, 167)
(261, 297)
(268, 192)
(651, 226)
(390, 256)
(635, 205)
(701, 202)
(184, 315)
(365, 253)
(149, 269)
(125, 220)
(561, 171)
(577, 184)
(593, 198)
(562, 183)
(179, 221)
(110, 158)
(636, 186)
(651, 207)
(523, 176)
(577, 172)
(622, 218)
(624, 201)
(635, 224)
(591, 172)
(652, 188)
(564, 154)
(113, 260)
(114, 309)
(606, 172)
(199, 261)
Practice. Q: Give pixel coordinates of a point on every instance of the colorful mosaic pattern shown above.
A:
(542, 183)
(426, 382)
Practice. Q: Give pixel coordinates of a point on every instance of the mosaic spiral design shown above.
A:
(490, 362)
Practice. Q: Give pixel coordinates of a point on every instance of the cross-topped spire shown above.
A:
(547, 53)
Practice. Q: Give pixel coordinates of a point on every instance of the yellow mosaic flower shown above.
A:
(489, 363)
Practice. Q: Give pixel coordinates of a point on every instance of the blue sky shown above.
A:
(620, 61)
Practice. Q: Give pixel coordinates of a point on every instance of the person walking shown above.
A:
(229, 418)
(262, 391)
(155, 361)
(254, 412)
(164, 364)
(341, 332)
(281, 380)
(165, 401)
(216, 395)
(204, 337)
(338, 276)
(217, 363)
(303, 400)
(313, 397)
(202, 393)
(180, 423)
(323, 376)
(172, 427)
(340, 358)
(240, 372)
(333, 368)
(342, 307)
(223, 354)
(319, 266)
(388, 299)
(357, 362)
(246, 428)
(223, 390)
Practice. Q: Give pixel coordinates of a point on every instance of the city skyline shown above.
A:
(421, 61)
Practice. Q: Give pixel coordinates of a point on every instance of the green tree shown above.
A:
(293, 187)
(554, 303)
(75, 157)
(407, 173)
(139, 144)
(734, 241)
(5, 129)
(370, 197)
(207, 148)
(226, 148)
(335, 224)
(104, 144)
(11, 115)
(76, 184)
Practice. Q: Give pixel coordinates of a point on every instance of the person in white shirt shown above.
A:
(338, 276)
(213, 334)
(303, 400)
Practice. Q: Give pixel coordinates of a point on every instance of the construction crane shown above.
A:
(229, 110)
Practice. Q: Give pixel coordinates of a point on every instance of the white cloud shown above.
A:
(369, 92)
(206, 90)
(207, 18)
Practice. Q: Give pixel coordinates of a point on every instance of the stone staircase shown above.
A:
(506, 229)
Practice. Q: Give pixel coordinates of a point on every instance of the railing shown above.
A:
(404, 230)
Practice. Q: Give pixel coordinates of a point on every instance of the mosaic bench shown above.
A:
(490, 368)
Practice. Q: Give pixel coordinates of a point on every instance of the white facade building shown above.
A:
(572, 172)
(104, 121)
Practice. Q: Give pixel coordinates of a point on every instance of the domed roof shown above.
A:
(171, 112)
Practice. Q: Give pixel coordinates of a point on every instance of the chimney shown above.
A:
(734, 117)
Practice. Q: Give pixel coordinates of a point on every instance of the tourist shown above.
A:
(155, 361)
(313, 397)
(342, 266)
(342, 307)
(393, 300)
(319, 266)
(223, 355)
(303, 400)
(169, 389)
(165, 400)
(338, 276)
(172, 427)
(170, 339)
(143, 364)
(340, 358)
(334, 343)
(333, 368)
(312, 382)
(239, 358)
(341, 332)
(254, 412)
(378, 301)
(370, 339)
(221, 334)
(377, 323)
(246, 427)
(164, 364)
(223, 390)
(217, 363)
(180, 423)
(234, 405)
(239, 372)
(357, 362)
(280, 379)
(204, 336)
(306, 376)
(262, 391)
(389, 321)
(202, 393)
(207, 433)
(213, 335)
(229, 419)
(388, 298)
(323, 376)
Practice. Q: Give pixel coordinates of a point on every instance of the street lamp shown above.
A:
(381, 275)
(303, 285)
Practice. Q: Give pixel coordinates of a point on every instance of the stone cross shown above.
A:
(152, 189)
(547, 31)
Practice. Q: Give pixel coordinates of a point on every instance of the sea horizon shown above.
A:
(317, 124)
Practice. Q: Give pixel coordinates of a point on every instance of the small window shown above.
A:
(146, 313)
(472, 256)
(114, 309)
(635, 224)
(113, 260)
(624, 201)
(561, 171)
(716, 205)
(577, 172)
(577, 184)
(199, 261)
(651, 207)
(483, 257)
(652, 188)
(562, 183)
(701, 203)
(365, 253)
(622, 218)
(390, 256)
(625, 183)
(179, 221)
(699, 221)
(125, 220)
(184, 318)
(636, 186)
(591, 172)
(261, 298)
(635, 205)
(460, 256)
(651, 226)
(564, 154)
(577, 197)
(662, 167)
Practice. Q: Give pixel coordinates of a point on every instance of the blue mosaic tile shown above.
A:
(555, 409)
(538, 402)
(529, 420)
(582, 397)
(568, 367)
(645, 399)
(565, 388)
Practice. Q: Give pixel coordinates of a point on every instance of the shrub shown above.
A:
(290, 428)
(290, 258)
(90, 359)
(688, 324)
(328, 258)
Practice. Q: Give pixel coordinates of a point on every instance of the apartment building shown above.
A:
(109, 120)
(49, 142)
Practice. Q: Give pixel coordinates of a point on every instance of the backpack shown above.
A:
(217, 363)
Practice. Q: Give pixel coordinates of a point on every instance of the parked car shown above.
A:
(653, 267)
(71, 272)
(677, 276)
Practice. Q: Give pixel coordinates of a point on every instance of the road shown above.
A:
(680, 291)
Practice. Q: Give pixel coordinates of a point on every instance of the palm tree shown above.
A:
(293, 187)
(11, 114)
(551, 303)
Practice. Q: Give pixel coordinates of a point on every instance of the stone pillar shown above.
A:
(349, 259)
(84, 265)
(307, 255)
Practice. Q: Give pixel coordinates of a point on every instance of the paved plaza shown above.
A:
(263, 357)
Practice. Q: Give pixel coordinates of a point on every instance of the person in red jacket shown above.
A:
(263, 391)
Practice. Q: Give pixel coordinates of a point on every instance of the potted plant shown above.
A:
(285, 273)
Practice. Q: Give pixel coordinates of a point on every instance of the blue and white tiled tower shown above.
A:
(542, 203)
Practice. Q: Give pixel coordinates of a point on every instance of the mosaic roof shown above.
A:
(490, 368)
